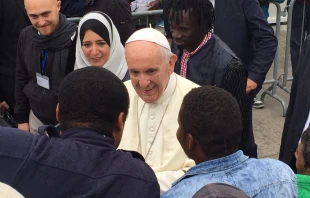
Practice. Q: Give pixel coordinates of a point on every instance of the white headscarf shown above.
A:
(116, 62)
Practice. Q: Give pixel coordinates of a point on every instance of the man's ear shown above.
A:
(120, 121)
(191, 142)
(57, 113)
(118, 128)
(173, 59)
(58, 4)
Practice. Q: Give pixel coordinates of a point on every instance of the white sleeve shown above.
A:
(166, 178)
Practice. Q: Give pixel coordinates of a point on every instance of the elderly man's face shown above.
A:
(44, 15)
(149, 70)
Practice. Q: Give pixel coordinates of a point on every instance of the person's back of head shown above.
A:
(210, 124)
(7, 191)
(93, 97)
(220, 190)
(302, 154)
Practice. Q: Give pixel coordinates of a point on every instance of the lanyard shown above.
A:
(44, 54)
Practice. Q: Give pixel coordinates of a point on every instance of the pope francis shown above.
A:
(156, 94)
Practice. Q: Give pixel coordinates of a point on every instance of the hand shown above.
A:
(4, 104)
(24, 127)
(250, 85)
(154, 5)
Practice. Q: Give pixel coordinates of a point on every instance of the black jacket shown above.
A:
(81, 163)
(299, 106)
(73, 8)
(242, 26)
(28, 94)
(120, 13)
(13, 19)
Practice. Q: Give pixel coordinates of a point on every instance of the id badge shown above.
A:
(43, 81)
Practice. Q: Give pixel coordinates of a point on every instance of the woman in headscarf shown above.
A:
(98, 44)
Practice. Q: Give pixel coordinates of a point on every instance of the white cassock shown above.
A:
(150, 129)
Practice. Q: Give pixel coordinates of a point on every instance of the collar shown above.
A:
(215, 165)
(89, 136)
(204, 41)
(169, 89)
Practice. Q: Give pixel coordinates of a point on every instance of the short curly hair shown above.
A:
(92, 97)
(305, 140)
(212, 116)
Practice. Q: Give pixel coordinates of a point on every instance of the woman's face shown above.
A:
(95, 49)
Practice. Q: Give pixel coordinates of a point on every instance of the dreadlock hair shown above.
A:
(92, 97)
(212, 116)
(202, 10)
(305, 140)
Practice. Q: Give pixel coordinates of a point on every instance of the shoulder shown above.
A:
(223, 47)
(274, 178)
(130, 88)
(184, 84)
(128, 83)
(271, 171)
(26, 31)
(16, 143)
(24, 36)
(271, 164)
(130, 164)
(235, 66)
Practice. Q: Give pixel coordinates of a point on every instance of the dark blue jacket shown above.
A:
(73, 8)
(13, 19)
(242, 25)
(82, 163)
(208, 65)
(298, 108)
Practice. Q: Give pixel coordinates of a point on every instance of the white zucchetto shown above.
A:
(151, 35)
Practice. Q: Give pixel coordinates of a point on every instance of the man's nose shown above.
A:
(41, 21)
(176, 34)
(143, 82)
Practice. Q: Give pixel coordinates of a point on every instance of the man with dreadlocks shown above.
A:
(202, 57)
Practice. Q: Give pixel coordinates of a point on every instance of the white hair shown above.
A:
(165, 53)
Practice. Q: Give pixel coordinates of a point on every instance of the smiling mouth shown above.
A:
(44, 27)
(178, 42)
(96, 59)
(147, 91)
